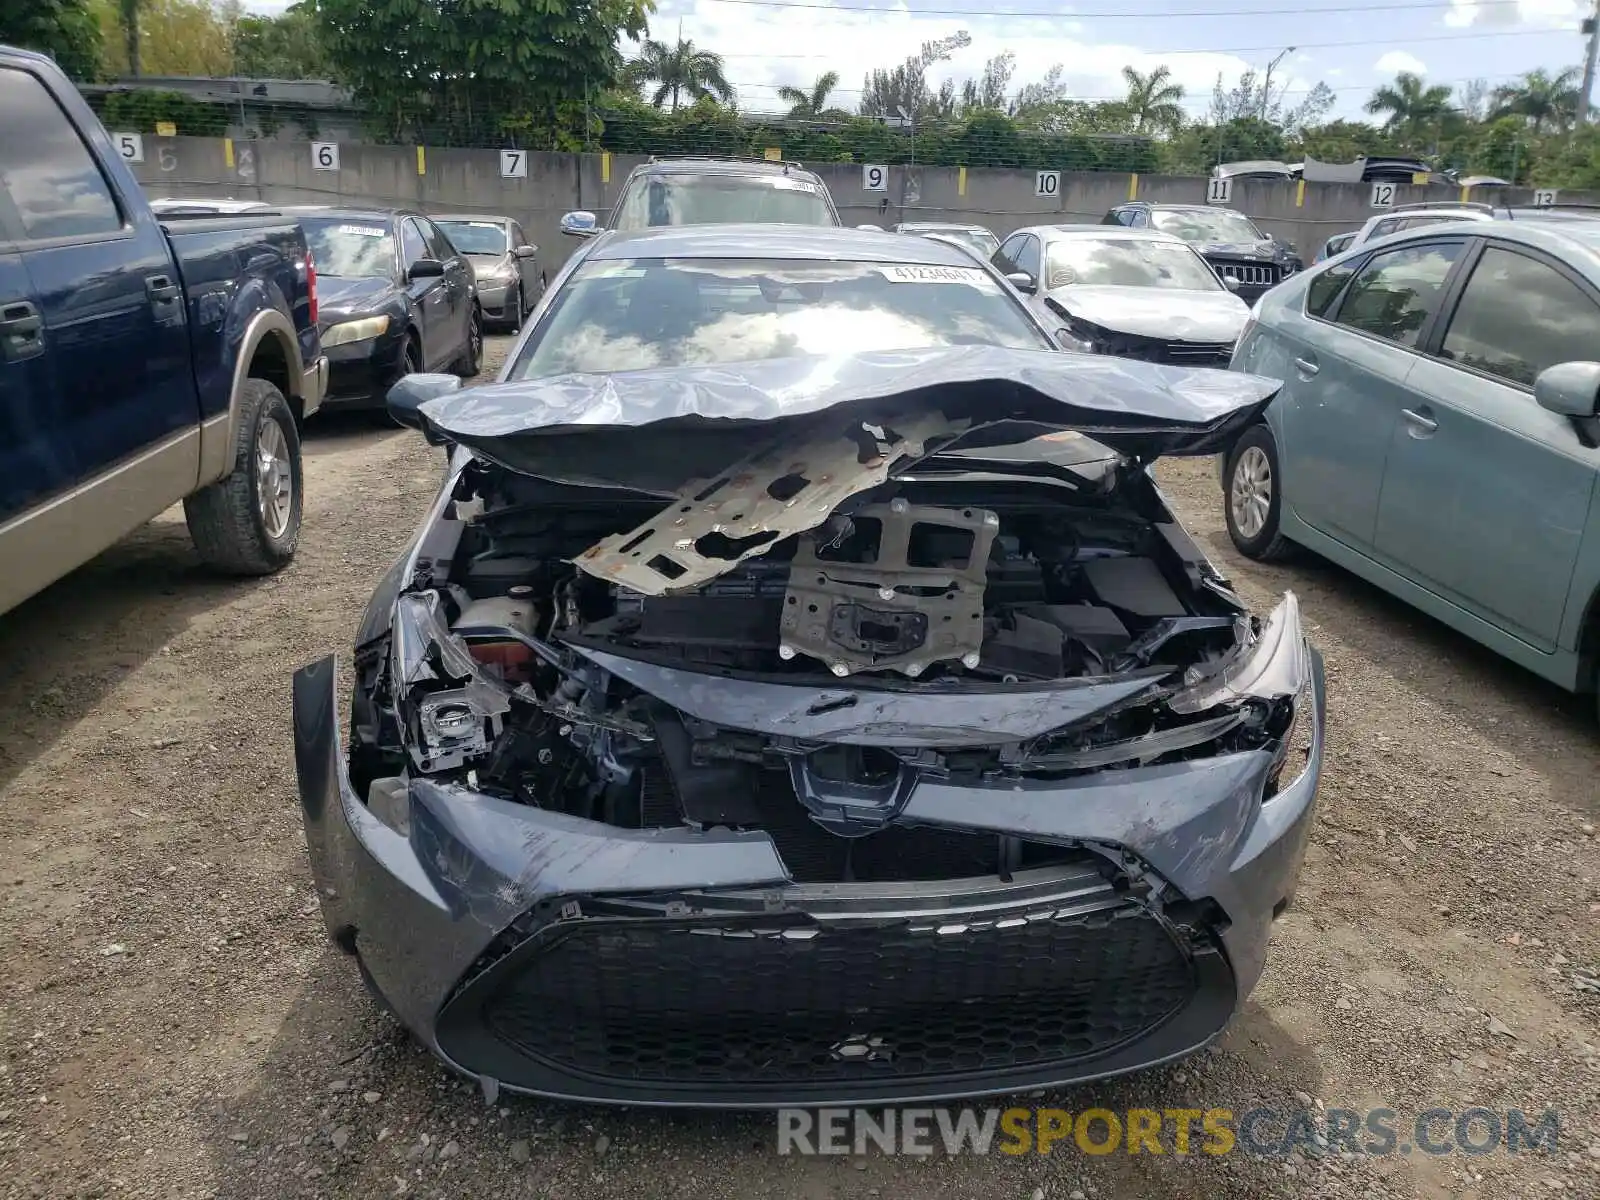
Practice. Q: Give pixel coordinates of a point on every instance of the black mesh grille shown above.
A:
(795, 1002)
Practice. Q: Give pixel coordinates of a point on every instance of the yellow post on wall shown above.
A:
(605, 166)
(422, 162)
(1133, 186)
(961, 181)
(1300, 194)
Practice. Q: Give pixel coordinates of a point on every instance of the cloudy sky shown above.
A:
(1352, 45)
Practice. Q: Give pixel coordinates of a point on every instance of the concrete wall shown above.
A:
(445, 180)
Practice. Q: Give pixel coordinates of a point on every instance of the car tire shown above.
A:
(472, 357)
(1253, 496)
(248, 523)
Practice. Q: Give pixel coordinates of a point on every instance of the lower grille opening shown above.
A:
(789, 1001)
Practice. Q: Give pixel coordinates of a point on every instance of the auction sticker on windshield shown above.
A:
(911, 273)
(365, 230)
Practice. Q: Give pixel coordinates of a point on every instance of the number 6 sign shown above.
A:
(874, 178)
(325, 156)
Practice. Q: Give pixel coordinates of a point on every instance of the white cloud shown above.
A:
(1547, 13)
(1396, 61)
(806, 42)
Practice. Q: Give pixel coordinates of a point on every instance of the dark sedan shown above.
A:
(799, 693)
(396, 298)
(505, 263)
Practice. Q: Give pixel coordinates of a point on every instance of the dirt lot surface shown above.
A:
(174, 1023)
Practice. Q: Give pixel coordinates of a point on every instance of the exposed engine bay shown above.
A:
(963, 586)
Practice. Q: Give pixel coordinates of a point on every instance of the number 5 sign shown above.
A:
(130, 146)
(1047, 183)
(325, 156)
(1219, 191)
(874, 178)
(513, 164)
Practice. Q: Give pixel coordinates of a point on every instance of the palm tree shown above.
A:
(812, 104)
(1410, 104)
(128, 13)
(678, 71)
(1153, 102)
(1539, 97)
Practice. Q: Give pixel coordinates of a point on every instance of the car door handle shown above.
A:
(160, 289)
(1420, 421)
(21, 331)
(1307, 366)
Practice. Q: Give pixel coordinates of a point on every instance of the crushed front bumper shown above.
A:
(567, 958)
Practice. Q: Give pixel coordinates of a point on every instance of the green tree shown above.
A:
(128, 13)
(889, 90)
(679, 71)
(475, 72)
(282, 47)
(804, 104)
(1539, 98)
(66, 30)
(1409, 107)
(1154, 102)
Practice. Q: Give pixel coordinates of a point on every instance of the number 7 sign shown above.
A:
(513, 164)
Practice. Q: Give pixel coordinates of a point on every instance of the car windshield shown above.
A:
(634, 314)
(722, 200)
(475, 237)
(1205, 225)
(984, 243)
(352, 247)
(1126, 262)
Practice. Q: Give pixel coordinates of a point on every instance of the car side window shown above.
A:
(1518, 316)
(1325, 288)
(1141, 220)
(1393, 295)
(516, 236)
(438, 244)
(1005, 258)
(45, 167)
(1028, 256)
(412, 245)
(1386, 226)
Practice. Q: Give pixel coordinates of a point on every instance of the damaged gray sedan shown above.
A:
(754, 729)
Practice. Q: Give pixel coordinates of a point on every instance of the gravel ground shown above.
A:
(174, 1023)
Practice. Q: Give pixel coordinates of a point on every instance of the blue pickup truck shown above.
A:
(141, 362)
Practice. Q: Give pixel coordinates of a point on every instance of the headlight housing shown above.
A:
(360, 330)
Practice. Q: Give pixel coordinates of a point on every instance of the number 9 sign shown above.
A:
(874, 178)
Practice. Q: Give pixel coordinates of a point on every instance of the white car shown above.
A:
(1134, 293)
(1414, 216)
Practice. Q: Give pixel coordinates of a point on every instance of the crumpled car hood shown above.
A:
(655, 430)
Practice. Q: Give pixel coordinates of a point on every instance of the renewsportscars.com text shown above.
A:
(1266, 1132)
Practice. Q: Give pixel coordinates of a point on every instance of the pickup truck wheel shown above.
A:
(1254, 496)
(472, 357)
(248, 523)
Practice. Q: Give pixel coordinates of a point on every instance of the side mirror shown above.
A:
(411, 392)
(525, 251)
(1571, 389)
(1022, 281)
(1231, 282)
(579, 224)
(425, 268)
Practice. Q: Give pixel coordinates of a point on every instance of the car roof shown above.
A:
(493, 218)
(930, 226)
(821, 242)
(1059, 233)
(368, 214)
(1448, 212)
(1151, 204)
(1574, 242)
(720, 166)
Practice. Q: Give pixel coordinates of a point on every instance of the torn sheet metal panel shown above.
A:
(714, 524)
(886, 612)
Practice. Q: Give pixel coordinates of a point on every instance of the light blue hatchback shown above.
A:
(1437, 432)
